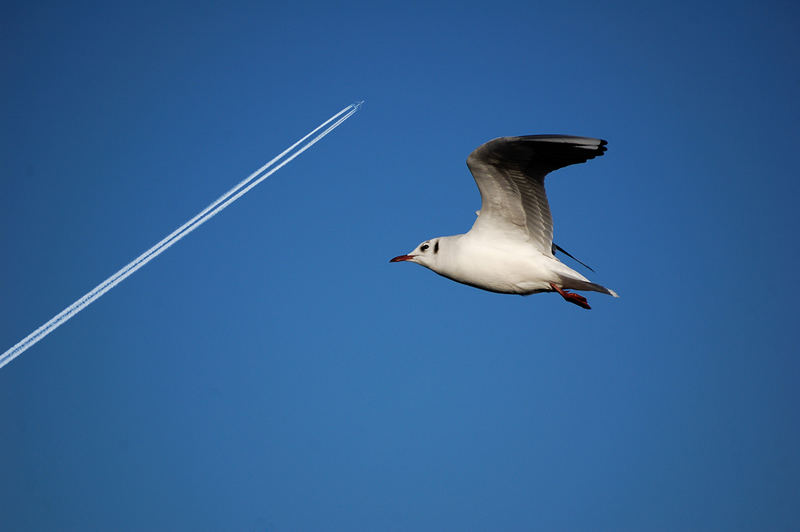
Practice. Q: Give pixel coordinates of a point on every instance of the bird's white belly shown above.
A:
(499, 269)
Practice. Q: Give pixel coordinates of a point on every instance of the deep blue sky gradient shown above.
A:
(273, 372)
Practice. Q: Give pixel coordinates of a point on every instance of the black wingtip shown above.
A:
(556, 247)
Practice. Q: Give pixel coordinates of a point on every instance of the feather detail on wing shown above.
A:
(510, 172)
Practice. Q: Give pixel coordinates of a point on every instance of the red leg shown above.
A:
(576, 299)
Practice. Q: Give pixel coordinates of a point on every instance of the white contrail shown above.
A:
(215, 207)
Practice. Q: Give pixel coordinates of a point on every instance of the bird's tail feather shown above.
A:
(578, 284)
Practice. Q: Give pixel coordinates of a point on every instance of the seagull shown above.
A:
(510, 247)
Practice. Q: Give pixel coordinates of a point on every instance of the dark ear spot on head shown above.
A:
(436, 247)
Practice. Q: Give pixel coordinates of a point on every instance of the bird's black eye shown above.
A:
(423, 247)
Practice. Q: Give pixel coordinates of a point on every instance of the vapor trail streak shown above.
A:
(215, 207)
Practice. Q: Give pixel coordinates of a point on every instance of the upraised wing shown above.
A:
(510, 171)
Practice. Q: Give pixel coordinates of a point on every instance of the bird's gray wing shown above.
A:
(510, 172)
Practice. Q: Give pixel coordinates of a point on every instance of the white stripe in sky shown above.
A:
(219, 204)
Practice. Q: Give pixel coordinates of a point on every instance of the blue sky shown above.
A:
(273, 371)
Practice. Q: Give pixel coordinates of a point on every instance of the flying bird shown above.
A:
(510, 247)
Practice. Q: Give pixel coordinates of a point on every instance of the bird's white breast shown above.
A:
(497, 265)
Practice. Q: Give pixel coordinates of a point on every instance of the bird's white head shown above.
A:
(426, 254)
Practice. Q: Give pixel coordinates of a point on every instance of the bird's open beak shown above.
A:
(401, 258)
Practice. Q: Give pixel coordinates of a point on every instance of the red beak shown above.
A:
(401, 258)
